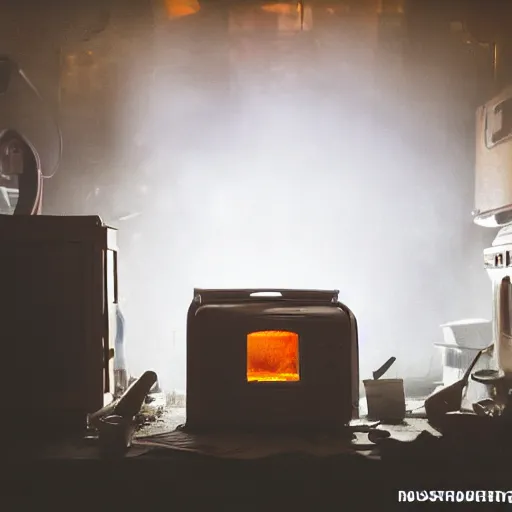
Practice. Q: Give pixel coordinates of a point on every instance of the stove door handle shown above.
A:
(268, 293)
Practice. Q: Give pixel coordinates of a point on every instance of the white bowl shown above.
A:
(473, 333)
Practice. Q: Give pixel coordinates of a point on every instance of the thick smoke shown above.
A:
(261, 163)
(329, 181)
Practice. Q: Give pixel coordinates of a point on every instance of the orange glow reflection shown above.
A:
(273, 356)
(180, 8)
(283, 9)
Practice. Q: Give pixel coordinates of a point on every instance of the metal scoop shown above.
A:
(449, 399)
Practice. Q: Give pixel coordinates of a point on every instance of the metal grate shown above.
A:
(458, 358)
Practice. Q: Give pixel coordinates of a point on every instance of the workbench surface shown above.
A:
(289, 478)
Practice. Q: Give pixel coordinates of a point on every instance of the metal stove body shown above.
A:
(271, 359)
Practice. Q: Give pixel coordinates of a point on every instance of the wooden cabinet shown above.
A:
(57, 320)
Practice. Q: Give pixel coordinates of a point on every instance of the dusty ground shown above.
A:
(175, 416)
(170, 419)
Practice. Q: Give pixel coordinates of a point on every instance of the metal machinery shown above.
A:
(486, 23)
(493, 183)
(21, 178)
(63, 270)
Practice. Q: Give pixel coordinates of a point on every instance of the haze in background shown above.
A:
(271, 158)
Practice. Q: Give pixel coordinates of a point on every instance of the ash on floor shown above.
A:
(168, 421)
(172, 417)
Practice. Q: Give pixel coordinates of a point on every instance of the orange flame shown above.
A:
(273, 356)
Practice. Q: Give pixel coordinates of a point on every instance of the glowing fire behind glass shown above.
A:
(272, 356)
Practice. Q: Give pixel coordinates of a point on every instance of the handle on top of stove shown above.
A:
(207, 295)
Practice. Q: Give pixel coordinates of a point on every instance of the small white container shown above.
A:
(473, 333)
(385, 399)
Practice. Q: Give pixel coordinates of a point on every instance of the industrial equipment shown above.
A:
(21, 176)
